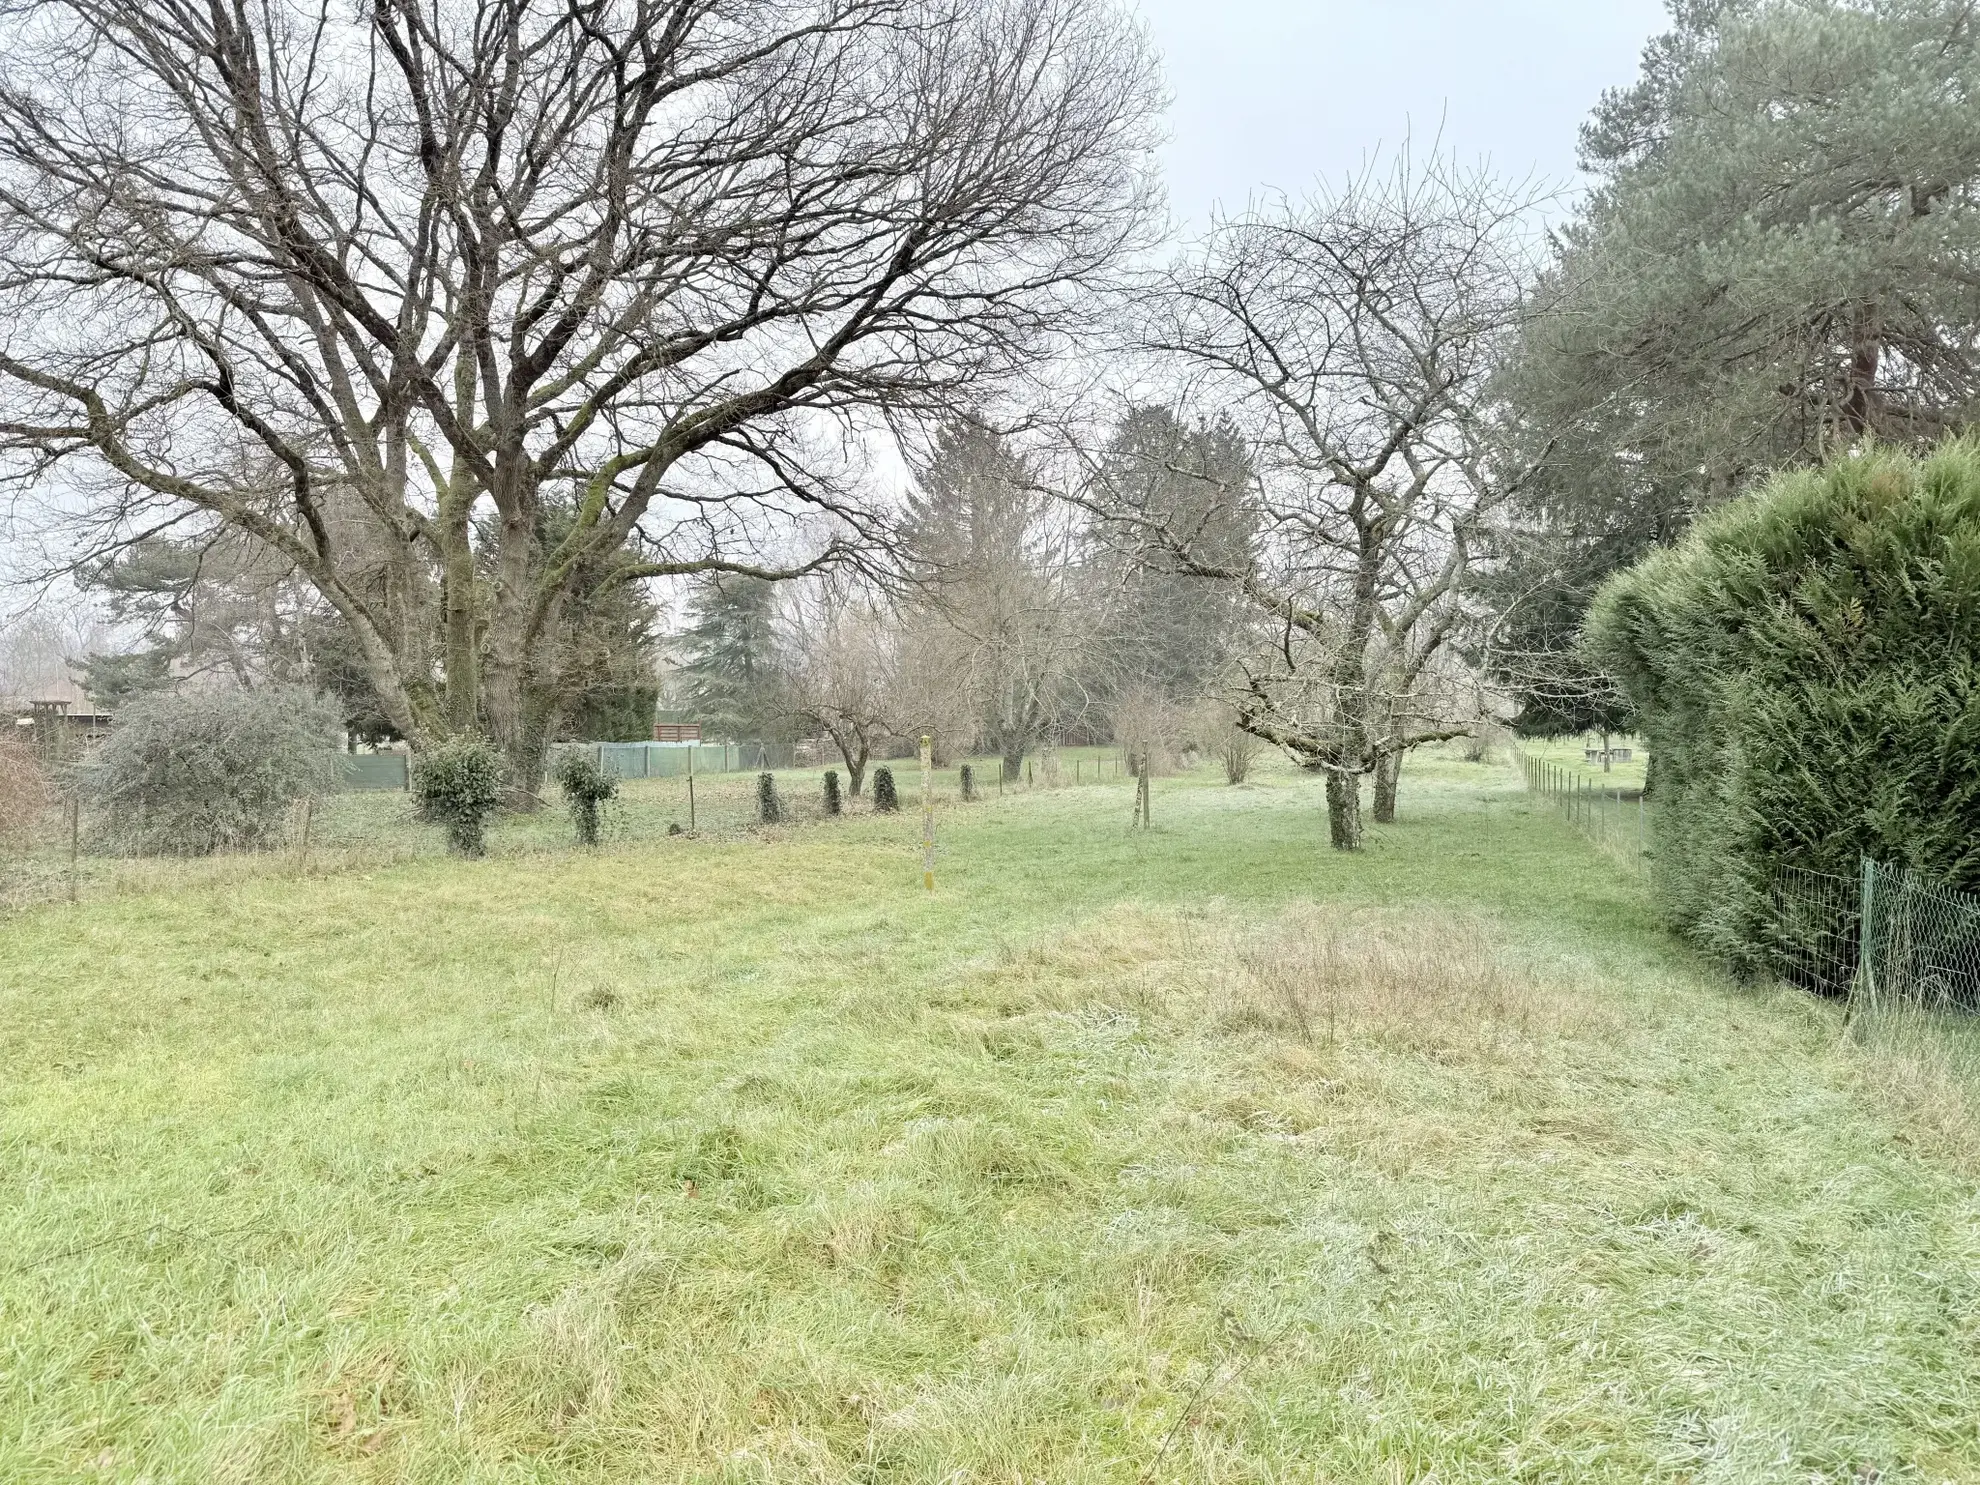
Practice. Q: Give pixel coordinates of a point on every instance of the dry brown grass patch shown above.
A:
(1311, 977)
(26, 793)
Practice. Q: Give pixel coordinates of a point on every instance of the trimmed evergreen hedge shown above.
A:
(1804, 667)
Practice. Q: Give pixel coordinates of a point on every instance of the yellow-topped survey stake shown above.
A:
(928, 813)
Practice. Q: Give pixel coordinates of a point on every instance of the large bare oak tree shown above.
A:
(469, 309)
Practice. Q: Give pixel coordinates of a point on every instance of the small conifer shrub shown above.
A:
(459, 783)
(769, 808)
(885, 800)
(834, 802)
(968, 784)
(585, 786)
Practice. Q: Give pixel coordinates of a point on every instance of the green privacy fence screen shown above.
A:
(363, 772)
(643, 760)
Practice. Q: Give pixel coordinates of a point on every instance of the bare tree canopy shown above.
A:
(593, 287)
(997, 619)
(1353, 339)
(844, 667)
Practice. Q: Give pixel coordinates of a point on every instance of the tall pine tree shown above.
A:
(731, 681)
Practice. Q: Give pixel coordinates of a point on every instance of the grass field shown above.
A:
(1195, 1154)
(1571, 755)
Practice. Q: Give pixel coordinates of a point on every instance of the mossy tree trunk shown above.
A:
(1388, 772)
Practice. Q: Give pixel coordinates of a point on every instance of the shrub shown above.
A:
(885, 799)
(26, 795)
(968, 784)
(1146, 722)
(191, 774)
(459, 784)
(585, 786)
(1239, 748)
(834, 803)
(769, 808)
(1806, 668)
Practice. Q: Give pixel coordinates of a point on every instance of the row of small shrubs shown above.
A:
(189, 775)
(1806, 669)
(886, 798)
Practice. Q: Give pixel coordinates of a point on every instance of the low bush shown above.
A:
(885, 799)
(834, 801)
(1238, 750)
(585, 786)
(26, 795)
(1806, 669)
(769, 808)
(459, 784)
(185, 774)
(968, 784)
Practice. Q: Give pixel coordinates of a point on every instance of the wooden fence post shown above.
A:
(75, 843)
(692, 750)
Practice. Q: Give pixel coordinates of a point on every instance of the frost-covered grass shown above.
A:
(1193, 1154)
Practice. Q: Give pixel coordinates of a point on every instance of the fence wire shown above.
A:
(1614, 818)
(1921, 942)
(1889, 937)
(1814, 937)
(56, 857)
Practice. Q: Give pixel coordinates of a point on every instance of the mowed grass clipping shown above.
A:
(1192, 1154)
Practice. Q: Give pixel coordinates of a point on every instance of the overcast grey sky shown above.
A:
(1272, 94)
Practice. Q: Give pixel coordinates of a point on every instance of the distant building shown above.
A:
(52, 722)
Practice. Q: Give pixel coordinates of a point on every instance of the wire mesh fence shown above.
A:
(1887, 936)
(1614, 817)
(54, 858)
(1913, 999)
(1921, 942)
(1813, 932)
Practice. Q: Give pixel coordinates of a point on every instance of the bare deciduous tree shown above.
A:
(845, 647)
(997, 620)
(469, 309)
(1353, 339)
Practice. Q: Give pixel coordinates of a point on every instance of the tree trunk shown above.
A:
(1344, 809)
(1388, 769)
(1013, 766)
(856, 772)
(519, 718)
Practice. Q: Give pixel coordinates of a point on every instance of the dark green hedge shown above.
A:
(613, 714)
(1804, 669)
